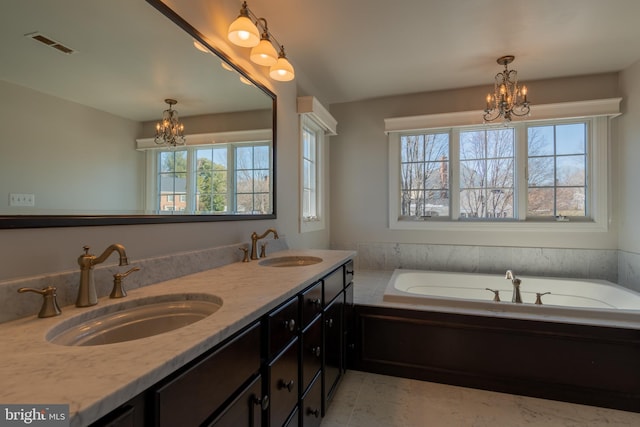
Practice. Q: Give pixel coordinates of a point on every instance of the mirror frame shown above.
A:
(44, 221)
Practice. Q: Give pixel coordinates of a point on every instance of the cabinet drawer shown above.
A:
(245, 410)
(312, 352)
(283, 385)
(311, 303)
(283, 326)
(194, 395)
(348, 272)
(311, 404)
(333, 285)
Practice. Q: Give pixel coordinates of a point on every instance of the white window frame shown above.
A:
(597, 113)
(317, 222)
(313, 116)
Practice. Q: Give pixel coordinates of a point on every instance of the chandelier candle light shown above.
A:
(169, 131)
(245, 33)
(508, 98)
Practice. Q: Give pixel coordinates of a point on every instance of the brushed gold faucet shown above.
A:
(87, 291)
(255, 238)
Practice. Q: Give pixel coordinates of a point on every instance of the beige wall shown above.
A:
(629, 160)
(40, 251)
(359, 168)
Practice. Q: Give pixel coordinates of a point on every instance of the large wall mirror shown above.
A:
(83, 84)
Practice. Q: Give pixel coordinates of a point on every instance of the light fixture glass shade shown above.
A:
(264, 53)
(282, 70)
(243, 32)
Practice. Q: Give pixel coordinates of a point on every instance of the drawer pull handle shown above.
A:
(264, 402)
(314, 412)
(316, 351)
(288, 385)
(330, 323)
(290, 325)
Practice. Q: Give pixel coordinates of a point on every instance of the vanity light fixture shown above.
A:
(508, 99)
(169, 131)
(246, 33)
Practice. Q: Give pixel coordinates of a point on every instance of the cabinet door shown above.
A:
(312, 353)
(349, 326)
(283, 326)
(283, 385)
(245, 410)
(198, 392)
(333, 353)
(311, 404)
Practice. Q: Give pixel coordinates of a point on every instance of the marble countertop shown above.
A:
(94, 380)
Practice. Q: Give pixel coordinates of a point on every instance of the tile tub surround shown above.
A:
(152, 270)
(95, 380)
(576, 263)
(372, 400)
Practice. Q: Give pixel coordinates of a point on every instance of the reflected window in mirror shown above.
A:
(223, 178)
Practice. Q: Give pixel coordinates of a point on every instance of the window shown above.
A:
(557, 170)
(311, 141)
(548, 174)
(200, 180)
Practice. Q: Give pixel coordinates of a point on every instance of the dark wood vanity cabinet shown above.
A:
(280, 371)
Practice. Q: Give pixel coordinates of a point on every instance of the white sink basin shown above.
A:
(290, 261)
(134, 319)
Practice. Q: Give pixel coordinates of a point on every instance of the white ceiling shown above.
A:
(358, 49)
(343, 50)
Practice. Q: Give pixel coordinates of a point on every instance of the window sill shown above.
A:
(524, 226)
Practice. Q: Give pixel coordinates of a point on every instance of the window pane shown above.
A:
(541, 171)
(570, 170)
(424, 173)
(487, 173)
(570, 139)
(564, 166)
(541, 141)
(571, 201)
(261, 157)
(540, 202)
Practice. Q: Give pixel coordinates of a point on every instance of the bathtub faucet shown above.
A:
(516, 286)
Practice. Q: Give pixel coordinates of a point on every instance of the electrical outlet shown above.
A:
(19, 199)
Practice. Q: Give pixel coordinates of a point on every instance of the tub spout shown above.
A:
(517, 298)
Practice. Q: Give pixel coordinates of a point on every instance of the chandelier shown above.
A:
(508, 99)
(245, 32)
(169, 131)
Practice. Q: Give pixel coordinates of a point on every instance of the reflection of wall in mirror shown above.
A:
(73, 158)
(79, 160)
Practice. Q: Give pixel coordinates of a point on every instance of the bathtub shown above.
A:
(582, 301)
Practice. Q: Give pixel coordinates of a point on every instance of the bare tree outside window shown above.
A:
(424, 173)
(487, 173)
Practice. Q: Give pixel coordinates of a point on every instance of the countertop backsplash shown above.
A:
(14, 305)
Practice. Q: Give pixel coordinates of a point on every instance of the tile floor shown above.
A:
(371, 400)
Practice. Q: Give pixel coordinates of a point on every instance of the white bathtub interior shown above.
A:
(575, 300)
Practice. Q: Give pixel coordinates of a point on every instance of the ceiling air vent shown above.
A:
(39, 37)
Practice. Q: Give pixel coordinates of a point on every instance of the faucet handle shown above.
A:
(50, 306)
(245, 251)
(118, 291)
(263, 250)
(539, 297)
(496, 294)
